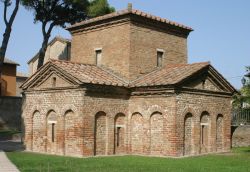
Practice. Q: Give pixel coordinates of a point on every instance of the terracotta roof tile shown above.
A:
(89, 73)
(170, 75)
(126, 11)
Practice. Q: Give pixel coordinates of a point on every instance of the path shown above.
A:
(5, 164)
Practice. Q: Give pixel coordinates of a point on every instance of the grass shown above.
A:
(238, 161)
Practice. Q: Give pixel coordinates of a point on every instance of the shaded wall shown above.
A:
(10, 113)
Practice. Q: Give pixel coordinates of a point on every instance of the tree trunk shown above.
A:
(4, 45)
(46, 36)
(6, 35)
(42, 52)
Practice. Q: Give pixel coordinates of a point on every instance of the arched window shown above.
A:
(119, 133)
(205, 132)
(51, 132)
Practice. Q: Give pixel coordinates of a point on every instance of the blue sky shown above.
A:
(221, 32)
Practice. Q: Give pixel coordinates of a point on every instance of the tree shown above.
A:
(8, 27)
(244, 96)
(99, 8)
(53, 13)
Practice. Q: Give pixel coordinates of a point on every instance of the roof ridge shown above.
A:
(128, 11)
(66, 61)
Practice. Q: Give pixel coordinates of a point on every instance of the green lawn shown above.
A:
(239, 160)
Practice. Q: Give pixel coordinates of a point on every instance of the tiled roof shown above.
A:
(170, 75)
(89, 73)
(8, 61)
(133, 11)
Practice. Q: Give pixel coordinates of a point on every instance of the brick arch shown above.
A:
(188, 136)
(156, 133)
(36, 140)
(100, 133)
(119, 133)
(51, 131)
(219, 132)
(137, 133)
(70, 133)
(67, 108)
(205, 130)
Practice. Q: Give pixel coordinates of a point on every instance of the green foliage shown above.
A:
(244, 96)
(99, 8)
(238, 161)
(58, 12)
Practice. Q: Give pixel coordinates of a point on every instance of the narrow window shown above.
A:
(159, 58)
(53, 132)
(54, 82)
(98, 54)
(118, 136)
(202, 134)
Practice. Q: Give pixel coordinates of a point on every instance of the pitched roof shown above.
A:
(170, 75)
(57, 38)
(130, 11)
(89, 73)
(8, 61)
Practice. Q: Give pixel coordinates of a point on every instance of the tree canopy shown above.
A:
(53, 13)
(99, 8)
(244, 97)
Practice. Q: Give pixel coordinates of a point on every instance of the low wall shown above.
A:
(10, 113)
(241, 136)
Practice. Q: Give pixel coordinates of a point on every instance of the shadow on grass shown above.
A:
(11, 146)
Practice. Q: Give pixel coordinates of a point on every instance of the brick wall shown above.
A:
(126, 46)
(144, 42)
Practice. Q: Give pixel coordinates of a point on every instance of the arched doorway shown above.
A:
(37, 138)
(156, 133)
(101, 134)
(188, 134)
(70, 139)
(219, 133)
(137, 133)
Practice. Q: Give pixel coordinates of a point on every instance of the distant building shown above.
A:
(8, 79)
(58, 48)
(127, 89)
(20, 78)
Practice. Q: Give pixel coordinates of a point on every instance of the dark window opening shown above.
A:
(53, 132)
(202, 134)
(54, 82)
(118, 130)
(98, 54)
(159, 58)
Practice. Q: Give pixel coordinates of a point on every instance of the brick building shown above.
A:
(127, 90)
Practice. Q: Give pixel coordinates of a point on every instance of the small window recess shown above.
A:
(98, 56)
(160, 55)
(54, 82)
(53, 132)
